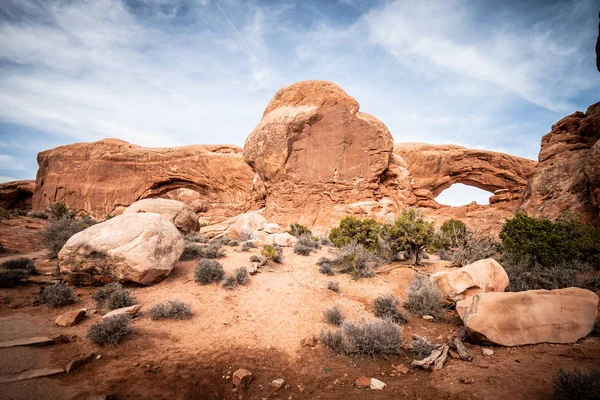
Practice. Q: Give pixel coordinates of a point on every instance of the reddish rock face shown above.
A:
(566, 177)
(16, 194)
(107, 176)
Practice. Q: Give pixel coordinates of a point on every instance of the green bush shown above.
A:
(298, 230)
(351, 230)
(60, 210)
(208, 271)
(577, 384)
(547, 242)
(334, 315)
(173, 309)
(451, 234)
(58, 295)
(424, 298)
(386, 307)
(109, 330)
(273, 253)
(410, 233)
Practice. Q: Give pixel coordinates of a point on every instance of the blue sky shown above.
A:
(482, 74)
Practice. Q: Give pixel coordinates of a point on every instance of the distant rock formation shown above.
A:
(16, 194)
(567, 177)
(105, 177)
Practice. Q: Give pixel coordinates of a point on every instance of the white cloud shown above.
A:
(10, 163)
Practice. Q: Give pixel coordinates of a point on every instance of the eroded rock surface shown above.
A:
(182, 216)
(534, 316)
(16, 194)
(105, 177)
(140, 247)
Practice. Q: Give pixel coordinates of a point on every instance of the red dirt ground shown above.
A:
(259, 327)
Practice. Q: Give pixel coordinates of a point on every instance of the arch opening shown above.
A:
(460, 194)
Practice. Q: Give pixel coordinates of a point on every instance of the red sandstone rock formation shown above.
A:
(16, 194)
(106, 176)
(567, 177)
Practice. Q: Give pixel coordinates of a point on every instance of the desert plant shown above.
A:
(444, 254)
(113, 296)
(334, 315)
(59, 231)
(386, 307)
(334, 286)
(233, 243)
(424, 298)
(326, 268)
(301, 249)
(229, 282)
(547, 242)
(420, 347)
(333, 340)
(258, 259)
(577, 384)
(208, 271)
(24, 263)
(246, 246)
(352, 259)
(60, 210)
(196, 238)
(191, 251)
(473, 247)
(324, 241)
(58, 295)
(298, 230)
(109, 330)
(351, 230)
(309, 241)
(38, 214)
(451, 234)
(12, 271)
(173, 309)
(4, 214)
(373, 338)
(245, 235)
(409, 233)
(213, 250)
(272, 252)
(241, 275)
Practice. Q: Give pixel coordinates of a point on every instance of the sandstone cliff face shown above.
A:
(567, 176)
(106, 176)
(16, 194)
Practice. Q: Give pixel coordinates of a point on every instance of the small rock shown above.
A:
(277, 384)
(483, 364)
(376, 384)
(487, 352)
(242, 377)
(78, 361)
(427, 317)
(453, 354)
(131, 310)
(310, 341)
(61, 339)
(402, 369)
(466, 381)
(70, 318)
(363, 382)
(99, 356)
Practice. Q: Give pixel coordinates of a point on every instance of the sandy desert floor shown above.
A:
(260, 327)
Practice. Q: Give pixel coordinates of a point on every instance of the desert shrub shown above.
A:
(420, 347)
(409, 233)
(374, 338)
(424, 298)
(364, 232)
(208, 271)
(577, 384)
(241, 275)
(38, 214)
(246, 246)
(334, 286)
(196, 238)
(352, 259)
(60, 210)
(59, 231)
(273, 253)
(230, 282)
(547, 243)
(386, 307)
(302, 249)
(113, 296)
(325, 241)
(213, 250)
(258, 259)
(246, 234)
(333, 340)
(298, 230)
(444, 254)
(475, 246)
(12, 271)
(334, 315)
(451, 234)
(58, 295)
(309, 241)
(109, 330)
(191, 251)
(4, 214)
(173, 309)
(233, 243)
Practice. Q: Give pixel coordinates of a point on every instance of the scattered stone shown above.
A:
(32, 341)
(78, 361)
(310, 341)
(487, 352)
(376, 384)
(179, 213)
(61, 339)
(272, 228)
(99, 356)
(427, 317)
(363, 382)
(131, 310)
(466, 381)
(278, 384)
(70, 318)
(36, 373)
(242, 377)
(402, 369)
(453, 354)
(483, 364)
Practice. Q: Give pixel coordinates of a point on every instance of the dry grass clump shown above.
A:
(577, 384)
(208, 271)
(273, 253)
(258, 259)
(191, 251)
(386, 307)
(59, 231)
(239, 277)
(246, 246)
(12, 271)
(373, 338)
(352, 259)
(173, 309)
(110, 330)
(325, 266)
(334, 286)
(195, 238)
(334, 315)
(302, 249)
(113, 296)
(424, 298)
(38, 214)
(58, 295)
(420, 347)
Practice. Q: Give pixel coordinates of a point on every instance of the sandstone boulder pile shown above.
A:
(182, 216)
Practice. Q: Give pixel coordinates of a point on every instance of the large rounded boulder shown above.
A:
(140, 247)
(180, 214)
